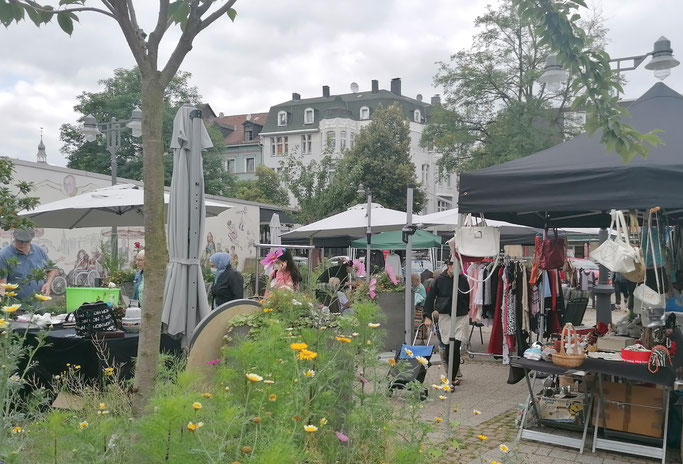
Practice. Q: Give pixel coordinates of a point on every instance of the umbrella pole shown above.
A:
(368, 232)
(408, 322)
(451, 339)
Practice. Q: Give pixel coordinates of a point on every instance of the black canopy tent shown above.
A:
(577, 183)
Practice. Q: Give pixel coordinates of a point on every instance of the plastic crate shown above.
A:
(76, 296)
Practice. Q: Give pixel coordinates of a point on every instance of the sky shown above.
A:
(276, 48)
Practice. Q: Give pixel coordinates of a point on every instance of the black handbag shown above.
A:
(92, 318)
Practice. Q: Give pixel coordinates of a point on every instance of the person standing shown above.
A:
(228, 284)
(285, 274)
(439, 300)
(19, 260)
(139, 279)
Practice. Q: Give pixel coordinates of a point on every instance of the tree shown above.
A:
(265, 188)
(13, 200)
(121, 94)
(192, 16)
(494, 108)
(309, 184)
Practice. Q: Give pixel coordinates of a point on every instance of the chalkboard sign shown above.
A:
(92, 318)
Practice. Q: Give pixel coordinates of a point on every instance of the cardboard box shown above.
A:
(561, 409)
(614, 343)
(632, 408)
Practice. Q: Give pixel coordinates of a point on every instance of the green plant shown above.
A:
(109, 263)
(121, 276)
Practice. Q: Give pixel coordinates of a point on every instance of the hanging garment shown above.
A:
(496, 338)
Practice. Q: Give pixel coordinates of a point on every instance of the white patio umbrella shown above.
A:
(275, 229)
(353, 222)
(185, 300)
(118, 205)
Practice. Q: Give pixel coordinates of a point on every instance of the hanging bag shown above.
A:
(477, 240)
(552, 253)
(651, 301)
(617, 254)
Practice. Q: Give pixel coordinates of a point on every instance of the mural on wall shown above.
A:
(234, 231)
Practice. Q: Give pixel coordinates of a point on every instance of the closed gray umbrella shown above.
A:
(275, 229)
(185, 301)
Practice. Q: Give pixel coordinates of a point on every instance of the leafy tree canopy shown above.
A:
(266, 188)
(120, 95)
(13, 198)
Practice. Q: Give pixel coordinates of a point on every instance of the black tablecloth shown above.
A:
(64, 346)
(665, 376)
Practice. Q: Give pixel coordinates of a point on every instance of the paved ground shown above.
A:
(484, 389)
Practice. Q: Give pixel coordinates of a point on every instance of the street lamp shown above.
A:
(362, 190)
(112, 131)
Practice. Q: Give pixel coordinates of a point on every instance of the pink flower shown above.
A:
(270, 258)
(358, 267)
(392, 276)
(342, 438)
(373, 286)
(213, 362)
(137, 245)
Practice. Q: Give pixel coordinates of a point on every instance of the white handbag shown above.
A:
(617, 254)
(651, 302)
(477, 240)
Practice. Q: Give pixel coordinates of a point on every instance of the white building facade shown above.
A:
(313, 127)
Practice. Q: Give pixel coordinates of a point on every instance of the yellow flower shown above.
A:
(422, 360)
(101, 406)
(298, 346)
(254, 377)
(476, 413)
(267, 310)
(496, 462)
(310, 428)
(82, 425)
(11, 309)
(42, 297)
(309, 373)
(444, 379)
(482, 437)
(408, 352)
(109, 371)
(3, 323)
(392, 362)
(442, 398)
(355, 334)
(323, 421)
(373, 325)
(207, 395)
(10, 293)
(102, 413)
(191, 426)
(368, 342)
(437, 387)
(446, 388)
(272, 397)
(307, 355)
(504, 448)
(77, 366)
(197, 405)
(438, 419)
(226, 389)
(16, 429)
(7, 286)
(343, 339)
(269, 382)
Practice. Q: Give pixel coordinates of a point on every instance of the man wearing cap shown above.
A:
(28, 258)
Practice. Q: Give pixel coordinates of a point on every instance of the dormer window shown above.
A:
(248, 134)
(365, 113)
(282, 118)
(417, 116)
(309, 116)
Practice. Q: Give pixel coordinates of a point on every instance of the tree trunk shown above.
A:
(156, 254)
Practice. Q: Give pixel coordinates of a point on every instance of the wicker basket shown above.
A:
(563, 359)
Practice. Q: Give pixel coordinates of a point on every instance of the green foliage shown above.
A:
(494, 110)
(120, 95)
(309, 184)
(13, 198)
(108, 261)
(121, 276)
(556, 23)
(265, 188)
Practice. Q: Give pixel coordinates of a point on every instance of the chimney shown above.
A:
(436, 100)
(326, 91)
(375, 86)
(396, 85)
(296, 96)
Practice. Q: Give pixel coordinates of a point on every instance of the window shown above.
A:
(248, 135)
(306, 144)
(273, 150)
(442, 205)
(279, 146)
(331, 140)
(352, 139)
(309, 116)
(251, 167)
(365, 113)
(282, 118)
(417, 116)
(230, 165)
(425, 174)
(342, 140)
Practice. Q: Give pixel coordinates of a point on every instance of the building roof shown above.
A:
(338, 106)
(234, 125)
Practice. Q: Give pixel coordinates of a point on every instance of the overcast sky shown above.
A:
(276, 48)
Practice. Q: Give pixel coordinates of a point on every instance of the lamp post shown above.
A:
(368, 231)
(112, 131)
(661, 63)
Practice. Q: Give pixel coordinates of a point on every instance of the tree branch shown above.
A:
(216, 14)
(160, 29)
(64, 10)
(135, 43)
(131, 14)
